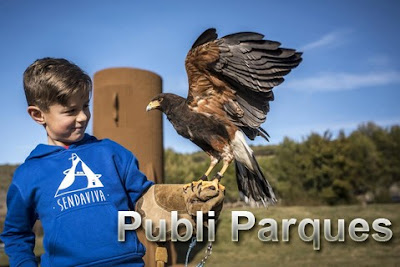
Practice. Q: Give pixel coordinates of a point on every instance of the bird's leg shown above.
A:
(220, 174)
(214, 161)
(218, 177)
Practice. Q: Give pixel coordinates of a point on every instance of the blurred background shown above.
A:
(334, 150)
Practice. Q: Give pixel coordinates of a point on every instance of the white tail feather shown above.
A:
(251, 181)
(242, 151)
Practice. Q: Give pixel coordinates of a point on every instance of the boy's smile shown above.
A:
(67, 124)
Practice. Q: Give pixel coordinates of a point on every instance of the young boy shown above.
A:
(75, 184)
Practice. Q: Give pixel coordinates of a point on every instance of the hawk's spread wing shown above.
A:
(232, 77)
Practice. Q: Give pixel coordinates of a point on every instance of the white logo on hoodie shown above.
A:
(71, 175)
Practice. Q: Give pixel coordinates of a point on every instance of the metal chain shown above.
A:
(208, 253)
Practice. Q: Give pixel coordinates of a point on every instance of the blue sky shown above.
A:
(350, 73)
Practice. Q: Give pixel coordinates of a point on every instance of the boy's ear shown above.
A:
(36, 114)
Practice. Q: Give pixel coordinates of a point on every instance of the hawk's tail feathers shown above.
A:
(250, 179)
(253, 185)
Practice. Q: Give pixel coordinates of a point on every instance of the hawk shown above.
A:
(230, 87)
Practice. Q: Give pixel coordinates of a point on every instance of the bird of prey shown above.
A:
(230, 87)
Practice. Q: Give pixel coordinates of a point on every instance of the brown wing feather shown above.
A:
(207, 92)
(232, 77)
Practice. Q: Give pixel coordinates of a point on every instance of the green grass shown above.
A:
(250, 251)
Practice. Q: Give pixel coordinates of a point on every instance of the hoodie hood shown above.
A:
(43, 150)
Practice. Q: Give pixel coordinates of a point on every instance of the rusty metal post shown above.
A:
(120, 97)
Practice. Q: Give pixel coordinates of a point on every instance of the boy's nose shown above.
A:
(82, 116)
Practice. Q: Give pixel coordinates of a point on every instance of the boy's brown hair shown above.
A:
(50, 81)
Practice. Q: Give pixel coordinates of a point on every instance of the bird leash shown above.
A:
(207, 252)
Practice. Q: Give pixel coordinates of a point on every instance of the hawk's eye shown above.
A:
(161, 99)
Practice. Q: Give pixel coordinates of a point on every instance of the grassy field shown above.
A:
(250, 251)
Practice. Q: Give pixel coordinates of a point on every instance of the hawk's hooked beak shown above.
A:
(152, 105)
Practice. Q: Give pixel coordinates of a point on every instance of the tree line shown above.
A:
(363, 166)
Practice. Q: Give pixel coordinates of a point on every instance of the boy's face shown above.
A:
(67, 124)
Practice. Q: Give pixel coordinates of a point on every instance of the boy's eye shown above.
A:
(73, 110)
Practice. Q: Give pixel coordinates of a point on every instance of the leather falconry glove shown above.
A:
(161, 199)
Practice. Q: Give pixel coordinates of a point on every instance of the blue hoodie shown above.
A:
(76, 194)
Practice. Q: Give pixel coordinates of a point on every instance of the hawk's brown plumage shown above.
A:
(230, 87)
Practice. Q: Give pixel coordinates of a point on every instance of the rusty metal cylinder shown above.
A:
(120, 97)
